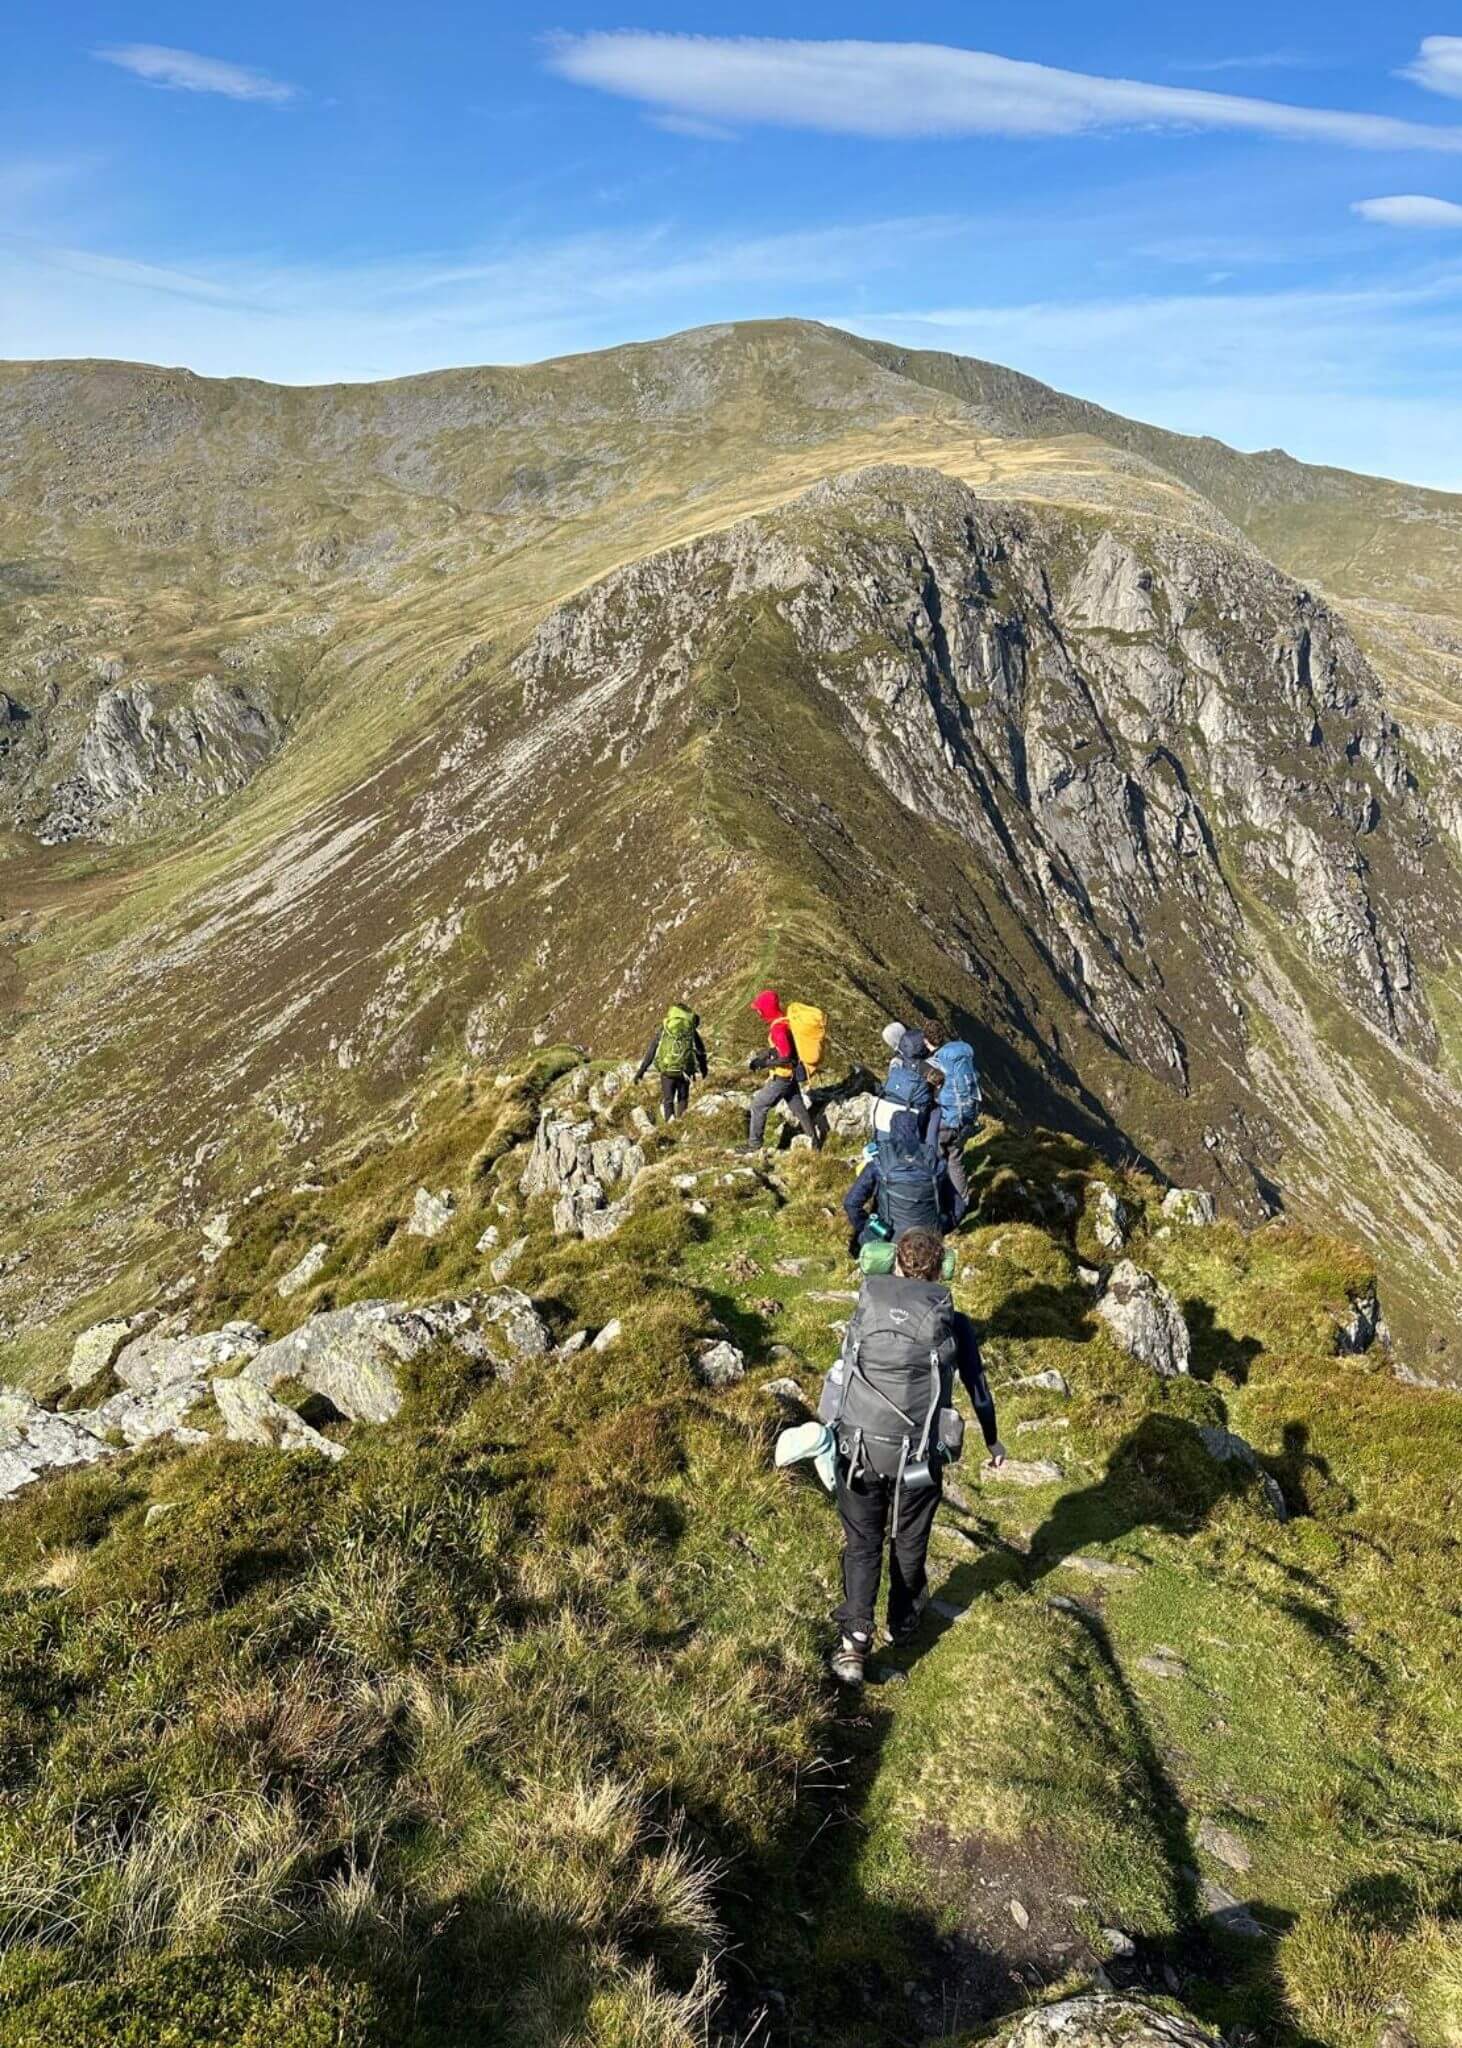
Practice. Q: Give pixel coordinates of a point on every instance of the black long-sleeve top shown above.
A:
(971, 1369)
(698, 1054)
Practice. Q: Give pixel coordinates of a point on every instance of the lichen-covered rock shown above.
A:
(1108, 1218)
(599, 1223)
(610, 1086)
(33, 1441)
(160, 1358)
(512, 1315)
(616, 1158)
(1363, 1327)
(852, 1117)
(431, 1214)
(251, 1415)
(1145, 1320)
(1022, 1472)
(559, 1156)
(348, 1355)
(145, 1417)
(1193, 1206)
(96, 1349)
(579, 1201)
(718, 1363)
(299, 1276)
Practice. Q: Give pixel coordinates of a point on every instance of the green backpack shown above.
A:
(675, 1054)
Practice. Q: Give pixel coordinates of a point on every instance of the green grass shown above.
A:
(516, 1718)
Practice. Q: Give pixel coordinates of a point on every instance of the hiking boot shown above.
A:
(741, 1149)
(848, 1659)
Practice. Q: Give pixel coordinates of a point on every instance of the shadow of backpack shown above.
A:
(888, 1400)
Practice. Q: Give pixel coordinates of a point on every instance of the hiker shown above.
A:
(675, 1052)
(957, 1110)
(890, 1404)
(789, 1067)
(910, 1083)
(903, 1186)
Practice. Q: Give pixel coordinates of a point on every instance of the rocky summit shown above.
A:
(408, 1635)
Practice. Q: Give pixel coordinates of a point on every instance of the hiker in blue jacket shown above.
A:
(903, 1186)
(957, 1107)
(911, 1083)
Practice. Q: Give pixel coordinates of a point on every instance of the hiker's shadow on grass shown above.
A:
(1215, 1351)
(1042, 1310)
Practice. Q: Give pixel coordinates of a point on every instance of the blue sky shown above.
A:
(1235, 222)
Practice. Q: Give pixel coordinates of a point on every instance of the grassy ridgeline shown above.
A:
(513, 1727)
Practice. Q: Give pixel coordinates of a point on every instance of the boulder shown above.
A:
(718, 1363)
(431, 1214)
(641, 1120)
(1145, 1320)
(716, 1101)
(1194, 1206)
(251, 1415)
(143, 1417)
(1228, 1914)
(1108, 1218)
(300, 1276)
(490, 1237)
(578, 1201)
(162, 1358)
(852, 1117)
(96, 1349)
(1363, 1327)
(513, 1317)
(1050, 1381)
(1095, 2020)
(33, 1441)
(349, 1355)
(559, 1155)
(610, 1334)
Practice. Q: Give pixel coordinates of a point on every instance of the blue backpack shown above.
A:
(959, 1098)
(907, 1087)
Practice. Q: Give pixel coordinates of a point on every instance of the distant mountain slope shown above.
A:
(571, 684)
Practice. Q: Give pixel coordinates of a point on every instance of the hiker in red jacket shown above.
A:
(787, 1073)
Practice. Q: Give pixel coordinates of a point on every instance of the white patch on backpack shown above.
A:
(898, 1315)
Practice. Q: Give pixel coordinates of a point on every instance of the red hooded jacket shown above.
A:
(768, 1006)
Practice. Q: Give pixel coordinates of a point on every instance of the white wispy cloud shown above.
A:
(186, 71)
(693, 126)
(1437, 66)
(1410, 210)
(923, 90)
(1261, 60)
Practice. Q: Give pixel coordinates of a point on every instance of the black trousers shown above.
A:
(781, 1088)
(674, 1095)
(866, 1508)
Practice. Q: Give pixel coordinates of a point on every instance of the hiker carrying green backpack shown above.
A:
(675, 1052)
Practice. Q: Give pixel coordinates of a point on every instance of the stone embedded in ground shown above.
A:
(1225, 1447)
(1022, 1472)
(1098, 1568)
(559, 1155)
(431, 1214)
(506, 1259)
(1193, 1206)
(719, 1363)
(573, 1343)
(790, 1269)
(1052, 1381)
(1036, 1423)
(216, 1238)
(716, 1101)
(948, 1610)
(1163, 1664)
(641, 1120)
(1104, 2020)
(1224, 1845)
(251, 1415)
(615, 1159)
(299, 1276)
(1363, 1327)
(1145, 1320)
(610, 1334)
(1229, 1914)
(610, 1086)
(785, 1390)
(684, 1182)
(490, 1237)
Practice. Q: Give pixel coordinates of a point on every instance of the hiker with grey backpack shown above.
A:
(676, 1052)
(889, 1402)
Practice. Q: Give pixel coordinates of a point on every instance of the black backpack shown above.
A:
(896, 1376)
(908, 1189)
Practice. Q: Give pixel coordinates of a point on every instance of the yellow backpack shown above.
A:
(809, 1034)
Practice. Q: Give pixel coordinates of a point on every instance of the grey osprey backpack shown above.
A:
(896, 1374)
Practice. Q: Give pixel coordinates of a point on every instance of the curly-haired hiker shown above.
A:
(890, 1403)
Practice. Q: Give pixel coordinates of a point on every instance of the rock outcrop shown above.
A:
(1102, 2022)
(568, 1163)
(1145, 1320)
